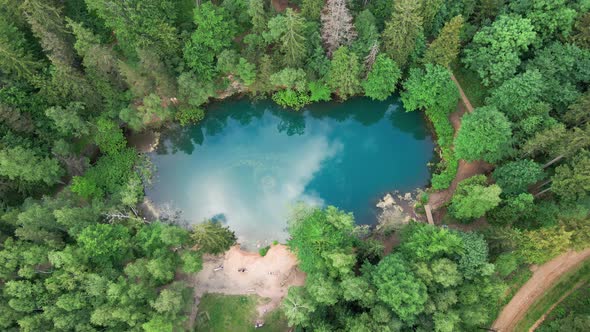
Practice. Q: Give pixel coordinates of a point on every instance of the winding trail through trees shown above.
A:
(544, 277)
(465, 169)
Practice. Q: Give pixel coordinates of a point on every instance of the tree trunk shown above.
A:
(553, 161)
(542, 192)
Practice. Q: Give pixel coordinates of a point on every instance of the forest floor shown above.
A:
(268, 277)
(544, 277)
(466, 169)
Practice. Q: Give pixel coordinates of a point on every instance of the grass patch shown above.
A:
(236, 313)
(570, 313)
(565, 283)
(470, 83)
(515, 281)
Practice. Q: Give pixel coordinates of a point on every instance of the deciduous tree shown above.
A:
(495, 50)
(485, 134)
(472, 198)
(382, 78)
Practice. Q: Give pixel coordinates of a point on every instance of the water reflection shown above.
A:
(247, 163)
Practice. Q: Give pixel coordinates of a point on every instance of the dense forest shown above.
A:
(78, 76)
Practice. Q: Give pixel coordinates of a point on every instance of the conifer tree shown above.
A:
(445, 48)
(402, 30)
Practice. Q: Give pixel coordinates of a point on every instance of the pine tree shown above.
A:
(445, 48)
(14, 57)
(258, 15)
(337, 27)
(293, 41)
(402, 30)
(47, 23)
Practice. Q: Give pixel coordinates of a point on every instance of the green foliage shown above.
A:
(316, 234)
(539, 246)
(291, 99)
(258, 14)
(188, 115)
(104, 244)
(214, 33)
(518, 97)
(319, 92)
(140, 24)
(550, 18)
(343, 77)
(263, 251)
(506, 264)
(68, 120)
(564, 68)
(110, 175)
(515, 177)
(430, 88)
(290, 78)
(572, 182)
(19, 163)
(472, 198)
(399, 288)
(16, 59)
(297, 307)
(211, 237)
(495, 50)
(109, 137)
(484, 134)
(382, 79)
(312, 9)
(287, 31)
(246, 71)
(474, 260)
(573, 314)
(511, 209)
(367, 33)
(402, 31)
(434, 91)
(445, 48)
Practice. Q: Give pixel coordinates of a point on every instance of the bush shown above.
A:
(264, 251)
(506, 264)
(190, 115)
(319, 92)
(291, 99)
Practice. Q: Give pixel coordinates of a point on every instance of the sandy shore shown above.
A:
(269, 276)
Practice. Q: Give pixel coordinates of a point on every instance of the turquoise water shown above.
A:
(247, 163)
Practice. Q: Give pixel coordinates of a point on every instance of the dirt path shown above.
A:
(462, 93)
(563, 297)
(465, 169)
(543, 278)
(269, 276)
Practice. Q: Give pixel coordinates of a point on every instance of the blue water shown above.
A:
(247, 163)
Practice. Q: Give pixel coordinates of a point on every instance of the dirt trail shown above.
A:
(269, 276)
(463, 95)
(543, 278)
(465, 169)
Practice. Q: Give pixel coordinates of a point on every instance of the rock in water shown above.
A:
(386, 202)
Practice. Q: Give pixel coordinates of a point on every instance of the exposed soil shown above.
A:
(280, 5)
(542, 280)
(269, 276)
